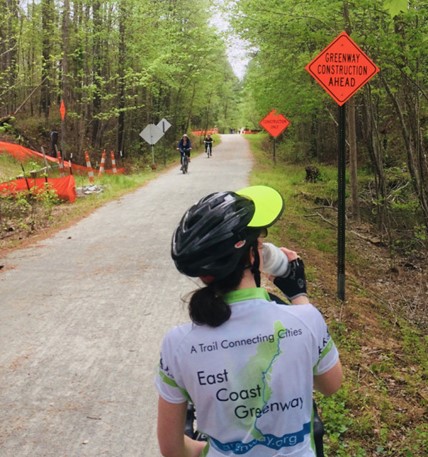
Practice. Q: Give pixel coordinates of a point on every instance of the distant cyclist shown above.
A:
(184, 146)
(208, 142)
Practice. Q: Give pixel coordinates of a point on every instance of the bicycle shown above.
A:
(192, 432)
(184, 164)
(208, 148)
(185, 160)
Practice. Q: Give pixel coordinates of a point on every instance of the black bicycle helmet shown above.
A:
(216, 232)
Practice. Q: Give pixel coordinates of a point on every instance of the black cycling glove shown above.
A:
(294, 284)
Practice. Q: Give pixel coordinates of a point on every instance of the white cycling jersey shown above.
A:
(251, 378)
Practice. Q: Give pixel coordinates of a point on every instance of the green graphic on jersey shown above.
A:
(258, 371)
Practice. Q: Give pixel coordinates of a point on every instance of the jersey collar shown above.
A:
(246, 294)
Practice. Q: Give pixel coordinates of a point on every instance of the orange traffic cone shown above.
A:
(113, 163)
(89, 167)
(102, 165)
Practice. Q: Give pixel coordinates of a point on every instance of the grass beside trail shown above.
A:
(381, 410)
(25, 218)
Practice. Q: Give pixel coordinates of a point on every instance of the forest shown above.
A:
(118, 65)
(386, 119)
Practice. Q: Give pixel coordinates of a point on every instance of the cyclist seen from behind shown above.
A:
(184, 146)
(208, 142)
(248, 364)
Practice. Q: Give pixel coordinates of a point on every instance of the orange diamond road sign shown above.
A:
(62, 110)
(342, 68)
(274, 123)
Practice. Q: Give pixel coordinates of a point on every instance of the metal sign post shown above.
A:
(341, 69)
(341, 204)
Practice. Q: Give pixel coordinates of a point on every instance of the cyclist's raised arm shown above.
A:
(294, 288)
(172, 440)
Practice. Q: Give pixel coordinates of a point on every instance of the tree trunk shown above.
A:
(47, 34)
(352, 136)
(353, 160)
(376, 154)
(121, 64)
(8, 54)
(413, 141)
(96, 101)
(66, 87)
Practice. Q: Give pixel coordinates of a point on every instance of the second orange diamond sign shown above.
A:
(274, 123)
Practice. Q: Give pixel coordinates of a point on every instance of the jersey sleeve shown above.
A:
(326, 354)
(168, 381)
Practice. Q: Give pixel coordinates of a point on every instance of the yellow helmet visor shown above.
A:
(268, 203)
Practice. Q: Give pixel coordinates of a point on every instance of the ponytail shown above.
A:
(207, 305)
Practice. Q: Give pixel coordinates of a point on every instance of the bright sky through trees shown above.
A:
(236, 48)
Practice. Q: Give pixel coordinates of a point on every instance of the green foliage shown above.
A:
(5, 128)
(9, 167)
(337, 421)
(287, 35)
(126, 61)
(26, 211)
(418, 441)
(48, 197)
(395, 7)
(415, 343)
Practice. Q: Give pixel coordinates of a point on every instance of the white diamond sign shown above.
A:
(164, 125)
(152, 134)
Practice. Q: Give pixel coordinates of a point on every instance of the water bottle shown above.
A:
(275, 262)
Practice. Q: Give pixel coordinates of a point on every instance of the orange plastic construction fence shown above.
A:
(65, 187)
(205, 132)
(22, 153)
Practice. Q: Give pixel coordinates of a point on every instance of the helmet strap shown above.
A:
(255, 267)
